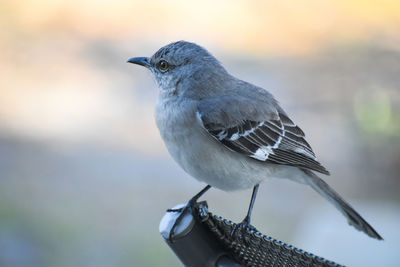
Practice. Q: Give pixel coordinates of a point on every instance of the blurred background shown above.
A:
(85, 177)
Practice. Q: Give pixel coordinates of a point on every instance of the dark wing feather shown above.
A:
(278, 141)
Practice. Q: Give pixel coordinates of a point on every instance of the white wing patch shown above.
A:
(262, 153)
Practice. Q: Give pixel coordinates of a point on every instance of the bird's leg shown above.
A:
(189, 207)
(246, 221)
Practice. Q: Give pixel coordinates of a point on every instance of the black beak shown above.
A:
(142, 61)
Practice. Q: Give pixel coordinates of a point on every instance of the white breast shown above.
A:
(199, 154)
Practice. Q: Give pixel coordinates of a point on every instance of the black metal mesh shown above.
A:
(252, 248)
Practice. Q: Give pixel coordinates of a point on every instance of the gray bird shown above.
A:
(229, 133)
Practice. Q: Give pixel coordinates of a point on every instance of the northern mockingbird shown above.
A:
(229, 133)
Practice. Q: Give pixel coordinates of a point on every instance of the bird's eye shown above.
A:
(163, 65)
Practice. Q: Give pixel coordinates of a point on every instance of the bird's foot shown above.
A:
(192, 203)
(240, 227)
(188, 208)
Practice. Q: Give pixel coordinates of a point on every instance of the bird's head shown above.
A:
(183, 68)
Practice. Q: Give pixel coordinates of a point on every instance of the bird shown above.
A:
(229, 133)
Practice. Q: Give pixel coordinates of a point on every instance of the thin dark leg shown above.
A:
(253, 199)
(193, 199)
(189, 207)
(199, 194)
(246, 220)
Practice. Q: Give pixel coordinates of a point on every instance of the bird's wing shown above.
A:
(274, 139)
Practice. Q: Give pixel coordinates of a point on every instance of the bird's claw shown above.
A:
(240, 227)
(175, 210)
(183, 211)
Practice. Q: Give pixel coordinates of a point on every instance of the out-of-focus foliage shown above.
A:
(375, 114)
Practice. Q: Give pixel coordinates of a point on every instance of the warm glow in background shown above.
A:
(84, 175)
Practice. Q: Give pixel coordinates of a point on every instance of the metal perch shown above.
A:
(205, 240)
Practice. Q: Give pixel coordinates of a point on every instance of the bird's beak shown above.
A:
(142, 61)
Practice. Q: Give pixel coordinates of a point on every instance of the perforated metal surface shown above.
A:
(252, 248)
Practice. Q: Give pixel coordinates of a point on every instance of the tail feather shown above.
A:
(352, 216)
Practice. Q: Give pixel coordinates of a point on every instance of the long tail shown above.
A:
(352, 216)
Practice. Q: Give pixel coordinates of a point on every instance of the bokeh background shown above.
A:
(85, 177)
